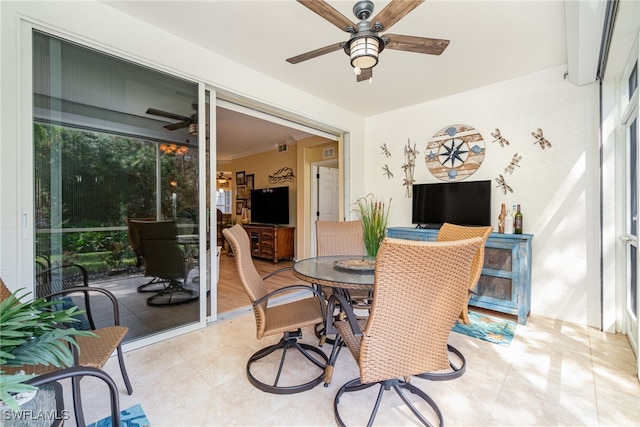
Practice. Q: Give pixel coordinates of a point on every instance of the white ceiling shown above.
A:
(239, 135)
(491, 41)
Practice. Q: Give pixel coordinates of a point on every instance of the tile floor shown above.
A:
(553, 373)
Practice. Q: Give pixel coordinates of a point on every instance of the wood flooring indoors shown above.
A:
(231, 294)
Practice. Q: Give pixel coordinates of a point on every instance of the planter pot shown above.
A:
(38, 408)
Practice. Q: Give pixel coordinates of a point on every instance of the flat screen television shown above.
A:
(462, 203)
(270, 206)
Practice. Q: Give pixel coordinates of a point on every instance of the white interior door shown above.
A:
(324, 198)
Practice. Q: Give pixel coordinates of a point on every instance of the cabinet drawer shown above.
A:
(269, 234)
(266, 247)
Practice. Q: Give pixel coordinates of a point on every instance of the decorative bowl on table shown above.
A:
(355, 264)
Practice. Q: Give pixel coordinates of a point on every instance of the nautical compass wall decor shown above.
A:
(455, 152)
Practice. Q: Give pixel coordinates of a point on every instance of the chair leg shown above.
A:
(288, 341)
(395, 384)
(415, 390)
(335, 351)
(154, 281)
(123, 370)
(77, 400)
(173, 294)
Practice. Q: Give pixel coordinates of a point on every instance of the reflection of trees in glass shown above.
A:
(102, 178)
(180, 175)
(89, 179)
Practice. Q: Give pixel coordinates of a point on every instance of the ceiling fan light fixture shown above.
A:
(364, 52)
(221, 178)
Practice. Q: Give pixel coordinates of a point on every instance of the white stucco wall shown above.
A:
(558, 188)
(94, 24)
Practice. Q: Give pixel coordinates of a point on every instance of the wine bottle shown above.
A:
(508, 223)
(503, 213)
(517, 222)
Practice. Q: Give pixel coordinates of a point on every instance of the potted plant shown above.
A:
(374, 216)
(32, 334)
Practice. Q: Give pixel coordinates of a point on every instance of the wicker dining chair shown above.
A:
(449, 232)
(93, 352)
(418, 290)
(134, 229)
(287, 318)
(164, 259)
(341, 238)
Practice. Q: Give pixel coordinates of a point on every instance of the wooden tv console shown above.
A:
(271, 242)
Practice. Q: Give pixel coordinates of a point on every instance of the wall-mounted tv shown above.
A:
(270, 206)
(462, 203)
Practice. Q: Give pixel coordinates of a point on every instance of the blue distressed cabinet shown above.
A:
(505, 284)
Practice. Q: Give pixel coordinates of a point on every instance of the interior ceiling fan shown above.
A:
(185, 121)
(365, 43)
(221, 178)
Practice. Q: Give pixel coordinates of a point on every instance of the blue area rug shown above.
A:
(487, 328)
(132, 417)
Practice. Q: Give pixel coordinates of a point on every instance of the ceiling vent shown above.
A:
(329, 153)
(283, 147)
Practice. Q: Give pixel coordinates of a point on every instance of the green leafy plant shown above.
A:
(115, 258)
(32, 333)
(374, 216)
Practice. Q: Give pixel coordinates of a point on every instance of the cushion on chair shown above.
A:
(291, 316)
(96, 351)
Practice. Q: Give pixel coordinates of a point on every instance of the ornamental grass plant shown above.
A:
(374, 215)
(33, 333)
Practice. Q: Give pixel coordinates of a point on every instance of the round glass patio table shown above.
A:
(323, 271)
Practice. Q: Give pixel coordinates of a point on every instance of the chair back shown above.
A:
(449, 232)
(418, 290)
(159, 244)
(339, 238)
(249, 277)
(5, 293)
(135, 240)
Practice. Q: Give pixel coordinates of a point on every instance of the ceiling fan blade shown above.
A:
(327, 11)
(166, 114)
(179, 125)
(395, 11)
(315, 53)
(365, 75)
(416, 44)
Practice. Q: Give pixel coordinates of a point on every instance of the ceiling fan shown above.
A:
(222, 179)
(185, 121)
(365, 43)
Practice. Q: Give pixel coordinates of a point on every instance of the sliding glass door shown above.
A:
(118, 182)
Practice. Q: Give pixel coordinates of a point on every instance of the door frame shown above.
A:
(629, 113)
